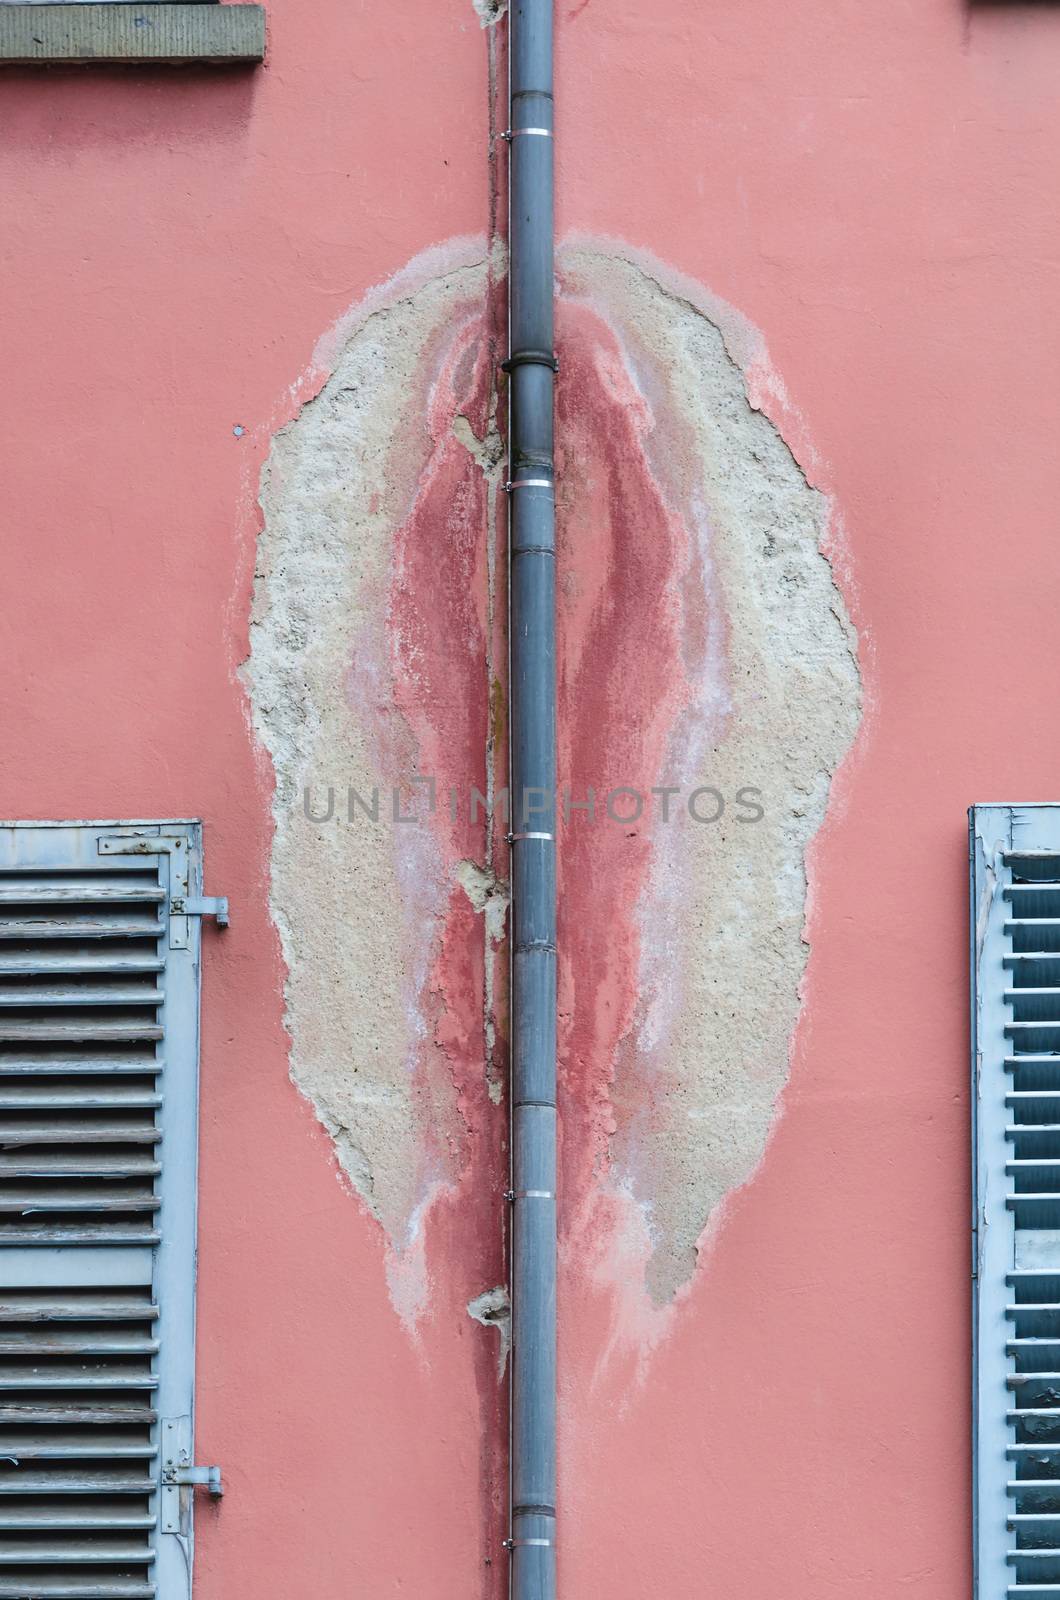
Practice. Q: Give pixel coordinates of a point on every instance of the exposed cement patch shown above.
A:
(771, 701)
(489, 11)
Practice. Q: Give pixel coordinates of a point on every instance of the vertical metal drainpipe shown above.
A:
(532, 583)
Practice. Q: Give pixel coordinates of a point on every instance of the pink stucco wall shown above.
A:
(871, 184)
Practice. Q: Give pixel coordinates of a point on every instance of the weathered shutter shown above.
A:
(99, 981)
(1016, 1170)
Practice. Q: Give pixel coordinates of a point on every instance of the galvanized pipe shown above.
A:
(532, 519)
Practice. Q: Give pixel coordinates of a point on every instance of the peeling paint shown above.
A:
(703, 641)
(487, 893)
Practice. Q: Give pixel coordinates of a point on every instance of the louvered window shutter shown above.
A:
(99, 979)
(1016, 1173)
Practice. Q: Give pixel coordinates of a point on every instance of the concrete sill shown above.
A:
(123, 33)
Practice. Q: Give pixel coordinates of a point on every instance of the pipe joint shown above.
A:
(530, 358)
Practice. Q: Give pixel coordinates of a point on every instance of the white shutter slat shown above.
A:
(1016, 1163)
(145, 1063)
(52, 1095)
(78, 958)
(47, 926)
(98, 1135)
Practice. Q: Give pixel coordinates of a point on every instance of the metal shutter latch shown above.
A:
(178, 1476)
(206, 905)
(206, 1477)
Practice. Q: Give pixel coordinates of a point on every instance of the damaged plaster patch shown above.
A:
(494, 1310)
(702, 641)
(753, 653)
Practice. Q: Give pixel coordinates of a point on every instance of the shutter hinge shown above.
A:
(204, 905)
